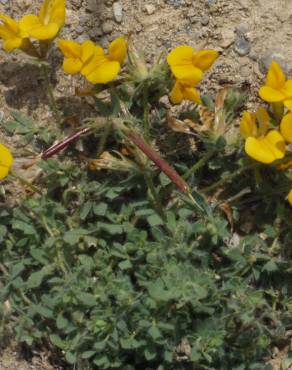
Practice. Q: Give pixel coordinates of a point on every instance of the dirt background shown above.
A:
(248, 34)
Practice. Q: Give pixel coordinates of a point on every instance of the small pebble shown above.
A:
(242, 46)
(227, 38)
(118, 12)
(150, 9)
(107, 27)
(204, 20)
(92, 6)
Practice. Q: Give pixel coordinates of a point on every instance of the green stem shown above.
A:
(155, 196)
(25, 182)
(228, 178)
(199, 164)
(146, 115)
(52, 101)
(103, 139)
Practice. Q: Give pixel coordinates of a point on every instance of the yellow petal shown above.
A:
(9, 23)
(70, 49)
(96, 61)
(181, 55)
(271, 95)
(205, 58)
(191, 94)
(176, 95)
(286, 127)
(118, 50)
(58, 13)
(288, 88)
(189, 74)
(288, 103)
(3, 172)
(275, 77)
(53, 11)
(263, 119)
(89, 49)
(6, 160)
(72, 66)
(32, 26)
(290, 197)
(248, 125)
(12, 44)
(266, 149)
(105, 73)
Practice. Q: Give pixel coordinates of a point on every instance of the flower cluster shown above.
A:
(188, 67)
(44, 26)
(91, 61)
(265, 139)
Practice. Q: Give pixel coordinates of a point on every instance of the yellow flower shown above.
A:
(182, 90)
(277, 88)
(76, 55)
(286, 127)
(47, 24)
(10, 33)
(6, 161)
(262, 146)
(92, 62)
(188, 64)
(290, 197)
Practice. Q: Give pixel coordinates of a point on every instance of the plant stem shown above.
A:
(52, 101)
(25, 182)
(155, 196)
(199, 164)
(103, 139)
(228, 178)
(146, 115)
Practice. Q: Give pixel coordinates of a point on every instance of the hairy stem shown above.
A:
(52, 101)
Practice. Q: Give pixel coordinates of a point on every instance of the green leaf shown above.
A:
(155, 220)
(71, 357)
(111, 228)
(44, 311)
(57, 341)
(25, 227)
(150, 354)
(61, 322)
(85, 210)
(154, 332)
(37, 277)
(270, 266)
(72, 237)
(125, 265)
(87, 299)
(88, 354)
(100, 209)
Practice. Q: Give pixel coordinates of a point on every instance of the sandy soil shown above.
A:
(248, 33)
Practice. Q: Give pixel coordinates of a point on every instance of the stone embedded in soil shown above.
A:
(150, 9)
(92, 6)
(268, 57)
(107, 27)
(204, 20)
(242, 46)
(242, 29)
(118, 12)
(227, 38)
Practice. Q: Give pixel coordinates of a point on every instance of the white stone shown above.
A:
(118, 11)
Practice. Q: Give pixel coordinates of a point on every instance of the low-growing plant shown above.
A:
(148, 238)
